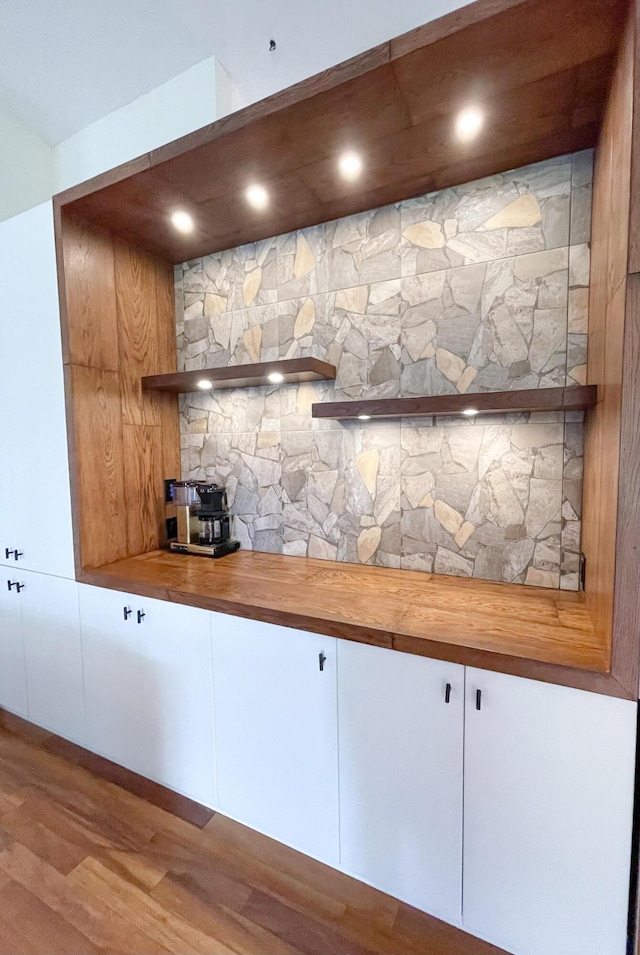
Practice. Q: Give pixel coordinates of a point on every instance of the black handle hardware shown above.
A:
(127, 611)
(141, 615)
(8, 552)
(20, 587)
(478, 699)
(447, 693)
(321, 661)
(17, 554)
(11, 584)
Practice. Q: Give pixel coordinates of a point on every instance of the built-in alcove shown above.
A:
(116, 256)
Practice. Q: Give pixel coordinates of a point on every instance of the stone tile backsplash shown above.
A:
(482, 287)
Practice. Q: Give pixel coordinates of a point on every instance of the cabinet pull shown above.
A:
(321, 661)
(478, 699)
(20, 587)
(7, 553)
(127, 611)
(141, 616)
(447, 693)
(17, 554)
(14, 583)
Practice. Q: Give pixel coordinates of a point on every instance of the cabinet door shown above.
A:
(33, 393)
(548, 800)
(177, 697)
(113, 656)
(51, 628)
(400, 771)
(7, 501)
(13, 680)
(276, 732)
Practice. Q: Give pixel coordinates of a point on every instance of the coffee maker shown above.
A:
(203, 522)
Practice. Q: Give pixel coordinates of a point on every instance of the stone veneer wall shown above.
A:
(482, 287)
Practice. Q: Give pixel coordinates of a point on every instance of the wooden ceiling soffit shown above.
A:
(538, 69)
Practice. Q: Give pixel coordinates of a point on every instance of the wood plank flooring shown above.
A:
(87, 867)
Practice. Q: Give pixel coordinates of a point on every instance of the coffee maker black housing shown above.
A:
(203, 521)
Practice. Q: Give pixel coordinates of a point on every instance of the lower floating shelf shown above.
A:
(575, 398)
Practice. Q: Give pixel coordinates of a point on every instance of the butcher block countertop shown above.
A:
(529, 631)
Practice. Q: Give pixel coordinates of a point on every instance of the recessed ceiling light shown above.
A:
(205, 384)
(350, 165)
(257, 196)
(182, 221)
(275, 377)
(468, 124)
(364, 417)
(470, 412)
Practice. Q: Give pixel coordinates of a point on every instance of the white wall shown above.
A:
(26, 168)
(174, 109)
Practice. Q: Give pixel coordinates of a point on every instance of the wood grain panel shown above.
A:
(626, 617)
(621, 119)
(123, 442)
(99, 465)
(143, 480)
(135, 288)
(605, 483)
(91, 333)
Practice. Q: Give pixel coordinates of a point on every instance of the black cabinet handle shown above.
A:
(8, 552)
(141, 616)
(19, 587)
(17, 554)
(126, 612)
(11, 584)
(321, 661)
(478, 699)
(447, 693)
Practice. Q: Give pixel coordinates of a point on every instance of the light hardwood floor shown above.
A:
(88, 866)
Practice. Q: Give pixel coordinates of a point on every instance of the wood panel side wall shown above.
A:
(118, 324)
(604, 480)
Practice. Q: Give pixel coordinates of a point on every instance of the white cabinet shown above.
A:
(400, 729)
(13, 677)
(148, 688)
(276, 732)
(35, 515)
(53, 655)
(548, 801)
(7, 500)
(40, 655)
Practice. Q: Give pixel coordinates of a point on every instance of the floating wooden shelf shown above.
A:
(575, 398)
(293, 370)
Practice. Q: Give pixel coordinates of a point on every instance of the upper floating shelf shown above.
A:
(575, 398)
(287, 371)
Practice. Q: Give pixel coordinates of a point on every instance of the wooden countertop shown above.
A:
(530, 631)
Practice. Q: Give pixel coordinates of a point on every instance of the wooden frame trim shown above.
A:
(107, 366)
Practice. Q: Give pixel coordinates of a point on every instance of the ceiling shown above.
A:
(66, 63)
